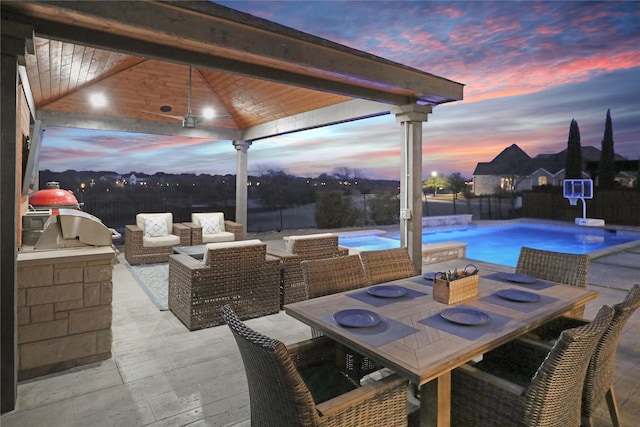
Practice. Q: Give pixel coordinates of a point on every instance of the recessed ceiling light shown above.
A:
(208, 113)
(165, 108)
(98, 100)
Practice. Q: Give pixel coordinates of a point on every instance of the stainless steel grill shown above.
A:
(74, 228)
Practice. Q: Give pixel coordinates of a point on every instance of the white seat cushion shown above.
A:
(211, 222)
(290, 241)
(234, 244)
(155, 224)
(223, 236)
(155, 242)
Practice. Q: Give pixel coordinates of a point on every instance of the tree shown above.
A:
(435, 181)
(607, 168)
(573, 164)
(457, 184)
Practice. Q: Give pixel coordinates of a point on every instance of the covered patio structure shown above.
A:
(154, 60)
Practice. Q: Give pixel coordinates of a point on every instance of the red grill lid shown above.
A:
(53, 197)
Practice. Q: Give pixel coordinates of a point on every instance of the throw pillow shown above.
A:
(155, 227)
(210, 225)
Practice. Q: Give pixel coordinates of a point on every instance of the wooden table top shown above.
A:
(430, 351)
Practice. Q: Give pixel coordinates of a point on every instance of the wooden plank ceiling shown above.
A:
(250, 71)
(64, 75)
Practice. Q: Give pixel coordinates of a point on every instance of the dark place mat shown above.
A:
(388, 330)
(523, 307)
(537, 285)
(367, 298)
(467, 332)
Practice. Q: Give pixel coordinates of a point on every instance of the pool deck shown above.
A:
(162, 375)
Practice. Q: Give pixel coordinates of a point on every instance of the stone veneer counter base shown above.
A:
(64, 309)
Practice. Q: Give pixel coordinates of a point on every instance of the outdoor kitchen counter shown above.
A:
(64, 308)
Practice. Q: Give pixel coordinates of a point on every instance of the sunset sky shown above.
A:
(529, 68)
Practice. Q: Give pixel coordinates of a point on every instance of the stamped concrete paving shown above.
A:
(163, 375)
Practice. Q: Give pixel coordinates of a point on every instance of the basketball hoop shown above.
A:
(573, 201)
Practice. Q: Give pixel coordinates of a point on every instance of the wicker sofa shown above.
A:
(237, 273)
(298, 249)
(152, 238)
(211, 227)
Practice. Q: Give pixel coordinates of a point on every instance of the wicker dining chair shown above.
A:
(387, 264)
(599, 380)
(330, 276)
(298, 249)
(510, 387)
(300, 385)
(570, 269)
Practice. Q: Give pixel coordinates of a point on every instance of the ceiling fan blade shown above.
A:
(181, 118)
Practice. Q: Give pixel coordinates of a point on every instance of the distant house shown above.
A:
(515, 170)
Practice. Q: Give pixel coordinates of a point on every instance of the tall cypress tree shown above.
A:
(573, 163)
(606, 168)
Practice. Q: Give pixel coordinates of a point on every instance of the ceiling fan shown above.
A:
(189, 120)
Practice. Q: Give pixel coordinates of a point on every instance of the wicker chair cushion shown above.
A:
(223, 236)
(154, 221)
(230, 244)
(211, 222)
(325, 381)
(160, 241)
(290, 241)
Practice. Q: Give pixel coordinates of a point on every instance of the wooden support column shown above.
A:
(411, 118)
(17, 42)
(241, 182)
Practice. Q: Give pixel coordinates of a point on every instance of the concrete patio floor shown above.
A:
(163, 375)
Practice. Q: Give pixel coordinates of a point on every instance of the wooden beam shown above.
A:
(340, 113)
(88, 121)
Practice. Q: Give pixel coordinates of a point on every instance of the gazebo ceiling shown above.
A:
(263, 79)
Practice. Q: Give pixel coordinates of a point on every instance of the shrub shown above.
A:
(385, 208)
(334, 210)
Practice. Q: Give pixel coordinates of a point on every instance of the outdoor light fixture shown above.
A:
(208, 113)
(98, 100)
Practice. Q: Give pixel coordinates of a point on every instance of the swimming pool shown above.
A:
(500, 244)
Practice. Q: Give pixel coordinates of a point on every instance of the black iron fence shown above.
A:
(117, 211)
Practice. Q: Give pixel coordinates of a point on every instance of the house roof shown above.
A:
(514, 161)
(511, 161)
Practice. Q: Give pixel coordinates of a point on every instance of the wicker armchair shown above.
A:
(510, 387)
(300, 385)
(211, 227)
(298, 249)
(149, 241)
(571, 269)
(599, 380)
(387, 265)
(236, 273)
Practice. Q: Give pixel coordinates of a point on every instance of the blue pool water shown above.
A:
(501, 244)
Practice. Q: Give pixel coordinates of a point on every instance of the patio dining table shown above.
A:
(409, 333)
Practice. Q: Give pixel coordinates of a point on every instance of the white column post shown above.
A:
(241, 182)
(411, 118)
